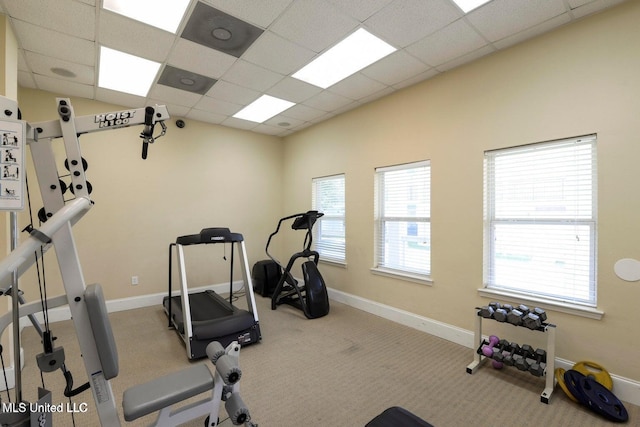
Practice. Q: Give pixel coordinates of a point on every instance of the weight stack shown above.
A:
(266, 274)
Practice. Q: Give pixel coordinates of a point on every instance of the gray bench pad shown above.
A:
(165, 391)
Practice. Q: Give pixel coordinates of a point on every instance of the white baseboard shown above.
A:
(626, 389)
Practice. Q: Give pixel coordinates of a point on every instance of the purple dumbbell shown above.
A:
(487, 349)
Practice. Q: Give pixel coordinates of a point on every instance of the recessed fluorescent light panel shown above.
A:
(126, 73)
(164, 14)
(349, 56)
(468, 5)
(263, 109)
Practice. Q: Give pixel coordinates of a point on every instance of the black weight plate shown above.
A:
(602, 401)
(573, 382)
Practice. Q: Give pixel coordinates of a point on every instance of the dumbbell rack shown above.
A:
(547, 328)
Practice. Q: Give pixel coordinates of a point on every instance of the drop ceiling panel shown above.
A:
(455, 40)
(230, 92)
(218, 30)
(277, 54)
(314, 24)
(293, 90)
(251, 76)
(199, 59)
(395, 68)
(502, 18)
(357, 87)
(45, 41)
(287, 34)
(217, 106)
(261, 13)
(117, 32)
(404, 22)
(63, 87)
(360, 9)
(66, 16)
(43, 65)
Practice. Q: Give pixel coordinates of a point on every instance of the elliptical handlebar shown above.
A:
(303, 221)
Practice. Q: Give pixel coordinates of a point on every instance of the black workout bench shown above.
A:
(397, 417)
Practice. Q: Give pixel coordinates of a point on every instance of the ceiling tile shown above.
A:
(175, 110)
(502, 18)
(293, 90)
(230, 92)
(206, 116)
(314, 24)
(239, 123)
(45, 41)
(119, 98)
(305, 113)
(356, 87)
(277, 54)
(395, 68)
(217, 106)
(417, 78)
(584, 8)
(43, 65)
(199, 59)
(117, 32)
(377, 95)
(533, 31)
(66, 16)
(404, 22)
(251, 76)
(360, 9)
(454, 40)
(218, 30)
(472, 56)
(261, 13)
(327, 101)
(63, 87)
(177, 96)
(185, 80)
(283, 121)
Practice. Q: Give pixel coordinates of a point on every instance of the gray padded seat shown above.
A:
(165, 391)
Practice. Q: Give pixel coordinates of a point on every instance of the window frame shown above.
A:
(584, 306)
(328, 256)
(380, 266)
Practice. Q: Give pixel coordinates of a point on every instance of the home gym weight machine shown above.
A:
(312, 297)
(86, 303)
(202, 317)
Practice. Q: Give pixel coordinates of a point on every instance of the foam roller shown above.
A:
(237, 410)
(228, 369)
(214, 351)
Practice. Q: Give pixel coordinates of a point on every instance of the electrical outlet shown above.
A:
(134, 280)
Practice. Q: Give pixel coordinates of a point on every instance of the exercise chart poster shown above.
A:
(12, 146)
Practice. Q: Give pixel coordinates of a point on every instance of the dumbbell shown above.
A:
(501, 313)
(526, 353)
(535, 319)
(487, 349)
(499, 349)
(537, 368)
(515, 316)
(513, 351)
(488, 310)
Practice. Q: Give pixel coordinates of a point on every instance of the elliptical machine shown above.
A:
(312, 297)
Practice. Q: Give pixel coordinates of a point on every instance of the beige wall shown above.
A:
(197, 177)
(580, 79)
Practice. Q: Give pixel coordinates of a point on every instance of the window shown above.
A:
(540, 220)
(403, 219)
(329, 231)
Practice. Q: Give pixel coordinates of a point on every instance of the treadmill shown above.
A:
(202, 317)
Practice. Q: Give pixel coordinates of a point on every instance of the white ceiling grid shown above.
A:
(432, 36)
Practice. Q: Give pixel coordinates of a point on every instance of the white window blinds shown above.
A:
(403, 218)
(540, 220)
(329, 232)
